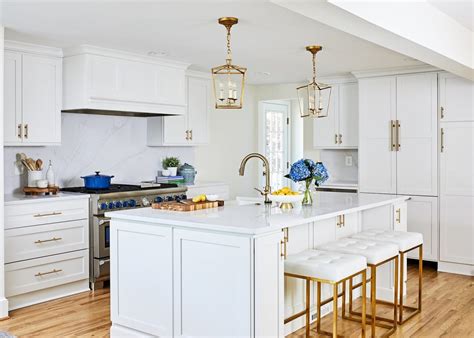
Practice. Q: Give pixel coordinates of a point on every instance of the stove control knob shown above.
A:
(111, 205)
(184, 197)
(145, 202)
(177, 198)
(132, 203)
(125, 204)
(103, 206)
(158, 199)
(170, 198)
(118, 204)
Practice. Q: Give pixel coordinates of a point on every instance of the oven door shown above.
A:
(101, 237)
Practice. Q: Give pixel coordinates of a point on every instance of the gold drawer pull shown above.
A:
(55, 213)
(40, 274)
(54, 239)
(398, 216)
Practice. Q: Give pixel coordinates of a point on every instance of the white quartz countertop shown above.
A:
(11, 199)
(258, 219)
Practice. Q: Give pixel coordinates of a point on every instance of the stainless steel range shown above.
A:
(117, 197)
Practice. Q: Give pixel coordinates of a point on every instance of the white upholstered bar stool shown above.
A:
(406, 242)
(377, 254)
(325, 267)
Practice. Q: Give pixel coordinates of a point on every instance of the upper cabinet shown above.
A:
(32, 95)
(340, 128)
(456, 98)
(191, 128)
(398, 134)
(113, 81)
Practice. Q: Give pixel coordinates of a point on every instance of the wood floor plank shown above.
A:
(448, 311)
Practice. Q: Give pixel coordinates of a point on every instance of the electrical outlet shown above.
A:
(349, 161)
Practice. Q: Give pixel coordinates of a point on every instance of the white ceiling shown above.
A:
(461, 11)
(268, 38)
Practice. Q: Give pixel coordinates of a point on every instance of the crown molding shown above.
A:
(100, 51)
(394, 71)
(18, 46)
(200, 74)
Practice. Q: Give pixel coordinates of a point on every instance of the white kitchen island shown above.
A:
(219, 272)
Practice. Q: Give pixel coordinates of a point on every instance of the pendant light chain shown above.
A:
(229, 52)
(314, 67)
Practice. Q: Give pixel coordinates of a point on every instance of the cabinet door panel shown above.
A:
(12, 98)
(199, 95)
(104, 73)
(41, 100)
(174, 130)
(325, 129)
(170, 86)
(377, 162)
(417, 169)
(349, 226)
(349, 115)
(456, 98)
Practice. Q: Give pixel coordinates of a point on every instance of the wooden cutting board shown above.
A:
(187, 205)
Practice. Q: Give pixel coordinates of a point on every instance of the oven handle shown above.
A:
(103, 261)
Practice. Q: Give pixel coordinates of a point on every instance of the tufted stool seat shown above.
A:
(377, 253)
(406, 241)
(325, 267)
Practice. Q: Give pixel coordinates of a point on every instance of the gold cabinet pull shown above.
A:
(340, 138)
(191, 134)
(26, 130)
(442, 140)
(187, 135)
(20, 130)
(40, 274)
(398, 217)
(54, 239)
(283, 242)
(55, 213)
(341, 221)
(397, 134)
(442, 112)
(392, 131)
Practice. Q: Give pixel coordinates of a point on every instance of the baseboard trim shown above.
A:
(460, 269)
(122, 331)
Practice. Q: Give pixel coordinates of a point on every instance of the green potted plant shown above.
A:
(171, 164)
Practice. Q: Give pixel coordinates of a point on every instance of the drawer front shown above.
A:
(22, 215)
(44, 240)
(46, 272)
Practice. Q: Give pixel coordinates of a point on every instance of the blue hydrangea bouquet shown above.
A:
(307, 170)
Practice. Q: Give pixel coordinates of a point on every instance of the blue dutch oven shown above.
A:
(97, 181)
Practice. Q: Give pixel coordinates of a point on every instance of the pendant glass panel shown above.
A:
(228, 83)
(314, 99)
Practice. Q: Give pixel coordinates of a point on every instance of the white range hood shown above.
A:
(110, 82)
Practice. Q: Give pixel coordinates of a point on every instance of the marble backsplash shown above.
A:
(334, 160)
(114, 145)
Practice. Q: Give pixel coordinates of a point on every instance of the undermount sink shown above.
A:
(245, 200)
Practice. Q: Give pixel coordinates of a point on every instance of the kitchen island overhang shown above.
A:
(220, 272)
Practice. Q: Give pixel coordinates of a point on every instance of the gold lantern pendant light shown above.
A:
(314, 98)
(228, 79)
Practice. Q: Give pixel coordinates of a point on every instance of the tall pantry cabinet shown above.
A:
(398, 146)
(456, 174)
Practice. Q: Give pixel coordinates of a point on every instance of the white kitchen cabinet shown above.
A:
(111, 81)
(32, 96)
(340, 128)
(423, 218)
(457, 193)
(189, 129)
(456, 98)
(347, 225)
(398, 122)
(377, 160)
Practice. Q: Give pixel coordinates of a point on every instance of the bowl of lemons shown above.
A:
(286, 197)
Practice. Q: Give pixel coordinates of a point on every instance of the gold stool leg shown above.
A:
(318, 324)
(343, 299)
(420, 275)
(402, 268)
(308, 288)
(373, 303)
(395, 295)
(334, 311)
(350, 295)
(364, 291)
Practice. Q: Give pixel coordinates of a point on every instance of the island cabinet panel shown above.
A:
(144, 296)
(213, 278)
(347, 225)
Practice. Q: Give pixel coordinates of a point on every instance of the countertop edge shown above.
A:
(14, 199)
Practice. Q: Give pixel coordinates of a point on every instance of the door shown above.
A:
(41, 100)
(456, 98)
(175, 130)
(12, 98)
(457, 192)
(417, 157)
(377, 160)
(199, 96)
(348, 115)
(423, 218)
(276, 142)
(325, 130)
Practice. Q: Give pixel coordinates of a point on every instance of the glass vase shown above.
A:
(307, 197)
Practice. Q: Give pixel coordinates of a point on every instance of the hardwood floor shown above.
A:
(448, 311)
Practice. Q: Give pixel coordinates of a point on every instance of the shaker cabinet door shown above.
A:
(325, 130)
(13, 133)
(199, 101)
(348, 115)
(456, 98)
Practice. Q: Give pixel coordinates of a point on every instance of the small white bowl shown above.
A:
(212, 198)
(42, 183)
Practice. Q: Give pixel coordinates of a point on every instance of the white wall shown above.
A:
(114, 145)
(233, 134)
(3, 301)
